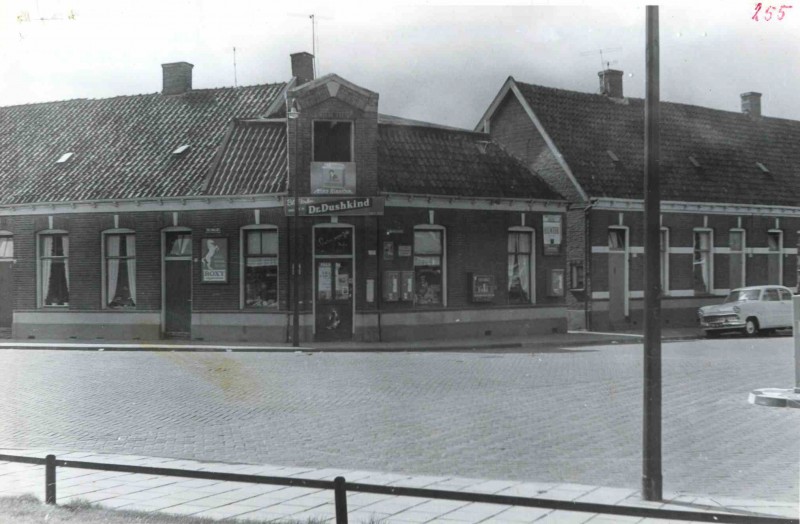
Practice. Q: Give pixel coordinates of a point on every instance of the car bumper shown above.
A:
(722, 326)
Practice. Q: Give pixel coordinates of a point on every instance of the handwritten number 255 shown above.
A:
(768, 12)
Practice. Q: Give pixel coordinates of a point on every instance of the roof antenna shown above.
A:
(604, 64)
(235, 78)
(314, 42)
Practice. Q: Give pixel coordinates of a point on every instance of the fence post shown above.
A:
(340, 498)
(50, 479)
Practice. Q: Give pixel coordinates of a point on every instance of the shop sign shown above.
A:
(320, 206)
(551, 234)
(214, 260)
(404, 250)
(483, 288)
(333, 178)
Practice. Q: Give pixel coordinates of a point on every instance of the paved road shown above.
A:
(561, 416)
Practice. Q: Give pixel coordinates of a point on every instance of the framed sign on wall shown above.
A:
(214, 260)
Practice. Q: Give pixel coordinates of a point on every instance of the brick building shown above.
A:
(730, 190)
(173, 214)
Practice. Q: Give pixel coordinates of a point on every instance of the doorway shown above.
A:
(334, 282)
(617, 274)
(177, 284)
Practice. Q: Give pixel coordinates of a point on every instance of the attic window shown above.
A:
(694, 162)
(63, 158)
(181, 149)
(612, 156)
(762, 167)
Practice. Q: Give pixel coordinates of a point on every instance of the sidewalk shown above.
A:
(230, 500)
(531, 343)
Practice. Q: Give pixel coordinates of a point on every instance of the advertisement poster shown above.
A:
(551, 234)
(333, 178)
(214, 260)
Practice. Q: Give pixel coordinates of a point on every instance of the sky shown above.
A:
(436, 62)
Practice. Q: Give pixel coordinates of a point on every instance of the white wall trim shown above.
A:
(703, 208)
(477, 203)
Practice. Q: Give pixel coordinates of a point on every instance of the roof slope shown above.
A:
(434, 161)
(727, 146)
(252, 160)
(122, 146)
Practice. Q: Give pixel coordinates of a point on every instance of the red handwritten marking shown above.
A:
(768, 12)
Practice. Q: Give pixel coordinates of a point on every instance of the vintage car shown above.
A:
(750, 310)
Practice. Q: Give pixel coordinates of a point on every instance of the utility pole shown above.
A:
(293, 115)
(651, 456)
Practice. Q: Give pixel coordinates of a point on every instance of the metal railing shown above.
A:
(340, 488)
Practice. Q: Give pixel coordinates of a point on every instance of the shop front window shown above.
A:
(120, 254)
(519, 267)
(54, 269)
(261, 268)
(428, 266)
(702, 262)
(737, 258)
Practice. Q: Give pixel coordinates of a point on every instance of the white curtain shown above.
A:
(6, 247)
(112, 254)
(130, 245)
(47, 251)
(65, 244)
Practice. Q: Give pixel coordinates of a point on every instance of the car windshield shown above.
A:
(740, 295)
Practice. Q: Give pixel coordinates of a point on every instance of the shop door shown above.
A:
(6, 295)
(617, 271)
(334, 299)
(178, 285)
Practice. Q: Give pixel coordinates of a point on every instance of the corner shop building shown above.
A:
(171, 214)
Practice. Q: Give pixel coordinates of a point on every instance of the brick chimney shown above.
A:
(611, 83)
(303, 67)
(177, 78)
(751, 104)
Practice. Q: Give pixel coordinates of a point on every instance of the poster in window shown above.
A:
(388, 250)
(556, 284)
(551, 234)
(214, 260)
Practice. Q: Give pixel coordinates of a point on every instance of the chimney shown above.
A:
(611, 83)
(177, 78)
(751, 104)
(302, 67)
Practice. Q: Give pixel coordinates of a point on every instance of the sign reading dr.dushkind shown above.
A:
(316, 206)
(333, 178)
(214, 260)
(551, 234)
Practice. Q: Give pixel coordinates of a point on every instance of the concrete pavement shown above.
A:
(230, 500)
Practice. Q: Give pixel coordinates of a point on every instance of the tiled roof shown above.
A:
(123, 147)
(435, 161)
(252, 160)
(727, 146)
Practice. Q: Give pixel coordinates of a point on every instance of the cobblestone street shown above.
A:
(562, 416)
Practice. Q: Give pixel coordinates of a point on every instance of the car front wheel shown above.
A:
(751, 327)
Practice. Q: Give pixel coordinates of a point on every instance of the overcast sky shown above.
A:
(441, 63)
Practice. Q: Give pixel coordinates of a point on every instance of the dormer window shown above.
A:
(181, 149)
(63, 158)
(333, 141)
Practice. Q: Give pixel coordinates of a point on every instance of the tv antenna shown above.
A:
(314, 40)
(604, 64)
(235, 79)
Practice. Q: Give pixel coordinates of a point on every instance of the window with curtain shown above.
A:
(54, 269)
(261, 268)
(120, 285)
(519, 267)
(428, 262)
(702, 261)
(179, 244)
(616, 239)
(737, 258)
(6, 247)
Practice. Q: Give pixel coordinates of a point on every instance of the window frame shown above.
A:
(743, 253)
(711, 252)
(243, 256)
(9, 235)
(443, 230)
(333, 120)
(104, 267)
(779, 254)
(664, 252)
(531, 270)
(39, 288)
